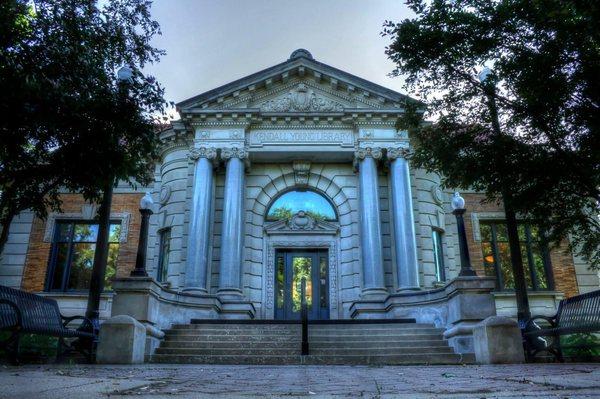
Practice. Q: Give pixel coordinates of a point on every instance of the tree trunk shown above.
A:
(5, 225)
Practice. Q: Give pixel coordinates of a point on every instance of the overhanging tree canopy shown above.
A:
(545, 58)
(66, 122)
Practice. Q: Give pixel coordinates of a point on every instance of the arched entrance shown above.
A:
(301, 225)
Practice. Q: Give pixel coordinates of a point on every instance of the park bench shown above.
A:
(578, 314)
(25, 313)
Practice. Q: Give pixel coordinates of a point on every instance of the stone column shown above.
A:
(232, 232)
(404, 224)
(370, 222)
(197, 262)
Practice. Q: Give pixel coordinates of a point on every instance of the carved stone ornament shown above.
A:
(301, 223)
(400, 152)
(233, 152)
(437, 194)
(165, 194)
(202, 152)
(301, 99)
(301, 170)
(373, 152)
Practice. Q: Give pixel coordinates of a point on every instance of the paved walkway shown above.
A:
(198, 381)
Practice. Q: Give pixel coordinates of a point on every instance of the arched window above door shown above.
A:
(292, 202)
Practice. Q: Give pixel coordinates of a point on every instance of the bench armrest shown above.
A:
(67, 320)
(530, 323)
(15, 308)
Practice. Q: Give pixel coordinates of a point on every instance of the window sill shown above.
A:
(539, 293)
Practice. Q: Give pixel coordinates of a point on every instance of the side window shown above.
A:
(438, 255)
(72, 255)
(163, 255)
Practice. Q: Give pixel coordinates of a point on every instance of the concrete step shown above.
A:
(375, 338)
(345, 326)
(199, 344)
(234, 338)
(415, 350)
(423, 358)
(375, 332)
(173, 343)
(226, 359)
(230, 351)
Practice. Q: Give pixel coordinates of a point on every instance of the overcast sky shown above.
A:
(213, 42)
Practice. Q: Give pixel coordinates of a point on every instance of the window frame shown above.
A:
(54, 249)
(161, 254)
(528, 242)
(300, 189)
(438, 254)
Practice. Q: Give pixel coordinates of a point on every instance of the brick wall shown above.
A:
(36, 264)
(561, 259)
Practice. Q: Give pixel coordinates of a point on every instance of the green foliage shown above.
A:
(68, 123)
(581, 345)
(545, 58)
(34, 347)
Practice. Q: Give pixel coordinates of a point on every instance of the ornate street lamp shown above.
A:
(458, 210)
(140, 260)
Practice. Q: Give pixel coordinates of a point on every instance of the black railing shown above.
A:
(304, 317)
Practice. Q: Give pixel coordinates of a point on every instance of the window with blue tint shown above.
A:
(292, 202)
(72, 255)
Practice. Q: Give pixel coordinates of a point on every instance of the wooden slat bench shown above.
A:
(578, 314)
(25, 313)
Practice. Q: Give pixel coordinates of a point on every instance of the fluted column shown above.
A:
(404, 225)
(370, 222)
(196, 268)
(232, 232)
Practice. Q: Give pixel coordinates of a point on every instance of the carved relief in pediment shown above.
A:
(301, 99)
(301, 222)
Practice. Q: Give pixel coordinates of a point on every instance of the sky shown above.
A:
(213, 42)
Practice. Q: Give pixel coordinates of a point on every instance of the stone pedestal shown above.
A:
(122, 340)
(497, 340)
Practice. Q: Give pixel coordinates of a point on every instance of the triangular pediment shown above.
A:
(301, 84)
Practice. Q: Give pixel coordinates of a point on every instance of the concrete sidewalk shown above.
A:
(213, 381)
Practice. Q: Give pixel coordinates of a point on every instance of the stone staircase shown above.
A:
(279, 343)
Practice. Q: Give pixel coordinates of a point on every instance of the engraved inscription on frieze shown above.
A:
(262, 137)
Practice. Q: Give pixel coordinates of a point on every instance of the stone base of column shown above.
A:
(236, 310)
(374, 294)
(195, 290)
(230, 294)
(408, 289)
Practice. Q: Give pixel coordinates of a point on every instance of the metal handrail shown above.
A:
(304, 317)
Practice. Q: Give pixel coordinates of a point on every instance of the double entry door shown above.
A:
(291, 267)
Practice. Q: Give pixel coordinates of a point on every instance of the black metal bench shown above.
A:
(578, 314)
(25, 313)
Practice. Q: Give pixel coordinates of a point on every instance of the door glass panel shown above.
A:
(280, 282)
(323, 282)
(301, 268)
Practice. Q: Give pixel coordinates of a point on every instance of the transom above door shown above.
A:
(291, 266)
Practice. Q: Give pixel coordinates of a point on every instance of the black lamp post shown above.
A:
(140, 260)
(458, 210)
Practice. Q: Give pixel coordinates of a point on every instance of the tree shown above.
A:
(545, 61)
(71, 126)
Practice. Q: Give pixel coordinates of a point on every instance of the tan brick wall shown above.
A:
(563, 267)
(36, 264)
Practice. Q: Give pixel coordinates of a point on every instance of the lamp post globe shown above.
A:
(146, 204)
(458, 210)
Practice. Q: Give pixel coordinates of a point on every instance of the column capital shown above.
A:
(202, 152)
(234, 152)
(398, 152)
(372, 152)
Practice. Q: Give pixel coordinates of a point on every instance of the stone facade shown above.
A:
(300, 125)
